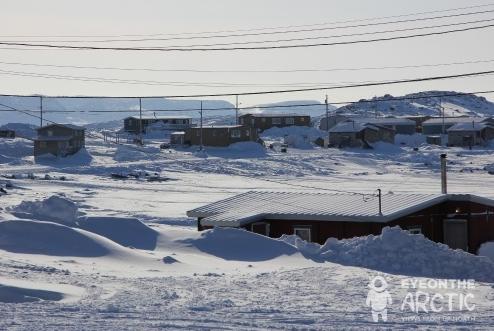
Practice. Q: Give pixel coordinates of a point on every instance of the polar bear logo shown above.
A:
(378, 298)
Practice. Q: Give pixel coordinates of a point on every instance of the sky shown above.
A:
(46, 21)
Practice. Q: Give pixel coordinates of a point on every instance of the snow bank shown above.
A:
(295, 136)
(247, 149)
(20, 291)
(398, 252)
(13, 150)
(135, 153)
(82, 157)
(239, 245)
(56, 209)
(46, 238)
(487, 249)
(413, 140)
(129, 232)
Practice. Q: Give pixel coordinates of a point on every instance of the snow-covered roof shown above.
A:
(219, 127)
(352, 126)
(255, 205)
(149, 117)
(453, 120)
(386, 121)
(70, 126)
(275, 115)
(470, 126)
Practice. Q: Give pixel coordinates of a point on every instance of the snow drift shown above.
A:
(46, 238)
(56, 209)
(487, 250)
(239, 245)
(295, 136)
(129, 232)
(397, 251)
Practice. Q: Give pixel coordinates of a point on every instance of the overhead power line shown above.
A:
(178, 49)
(247, 71)
(255, 29)
(383, 99)
(393, 82)
(281, 32)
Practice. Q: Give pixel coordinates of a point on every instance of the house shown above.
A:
(7, 134)
(59, 140)
(399, 125)
(439, 125)
(461, 221)
(177, 138)
(359, 134)
(220, 136)
(470, 134)
(262, 122)
(133, 124)
(419, 120)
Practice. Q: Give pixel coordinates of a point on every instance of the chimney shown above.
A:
(444, 187)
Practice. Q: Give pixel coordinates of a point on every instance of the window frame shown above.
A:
(297, 228)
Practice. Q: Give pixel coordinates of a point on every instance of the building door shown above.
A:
(456, 233)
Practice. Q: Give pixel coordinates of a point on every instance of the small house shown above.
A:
(470, 134)
(358, 134)
(133, 124)
(59, 140)
(462, 221)
(177, 138)
(10, 134)
(398, 124)
(262, 122)
(440, 125)
(220, 136)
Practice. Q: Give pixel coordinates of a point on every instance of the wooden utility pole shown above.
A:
(140, 121)
(200, 133)
(327, 117)
(236, 109)
(41, 110)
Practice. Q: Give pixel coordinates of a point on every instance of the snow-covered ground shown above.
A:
(82, 250)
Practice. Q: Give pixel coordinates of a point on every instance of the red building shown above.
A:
(462, 221)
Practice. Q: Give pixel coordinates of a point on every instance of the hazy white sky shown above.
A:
(31, 18)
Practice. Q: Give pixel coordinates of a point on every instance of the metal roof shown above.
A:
(70, 126)
(275, 115)
(352, 126)
(470, 126)
(149, 117)
(454, 120)
(387, 121)
(256, 205)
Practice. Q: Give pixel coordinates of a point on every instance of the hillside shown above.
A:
(428, 104)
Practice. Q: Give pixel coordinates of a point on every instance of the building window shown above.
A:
(241, 121)
(49, 133)
(235, 134)
(303, 233)
(247, 133)
(42, 144)
(302, 119)
(276, 120)
(260, 228)
(198, 133)
(263, 120)
(290, 120)
(253, 121)
(415, 229)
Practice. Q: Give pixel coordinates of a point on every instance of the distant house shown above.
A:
(462, 221)
(133, 124)
(358, 134)
(419, 120)
(400, 125)
(177, 138)
(59, 140)
(220, 136)
(470, 134)
(262, 122)
(7, 134)
(439, 125)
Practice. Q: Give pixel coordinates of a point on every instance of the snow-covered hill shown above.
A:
(423, 103)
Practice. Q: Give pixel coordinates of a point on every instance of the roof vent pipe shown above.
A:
(444, 187)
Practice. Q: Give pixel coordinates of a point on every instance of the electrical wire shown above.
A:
(269, 47)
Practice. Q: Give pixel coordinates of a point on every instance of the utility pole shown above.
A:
(140, 121)
(201, 147)
(236, 109)
(441, 108)
(41, 110)
(327, 118)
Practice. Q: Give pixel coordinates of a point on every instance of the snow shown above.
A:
(121, 254)
(487, 249)
(295, 136)
(396, 251)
